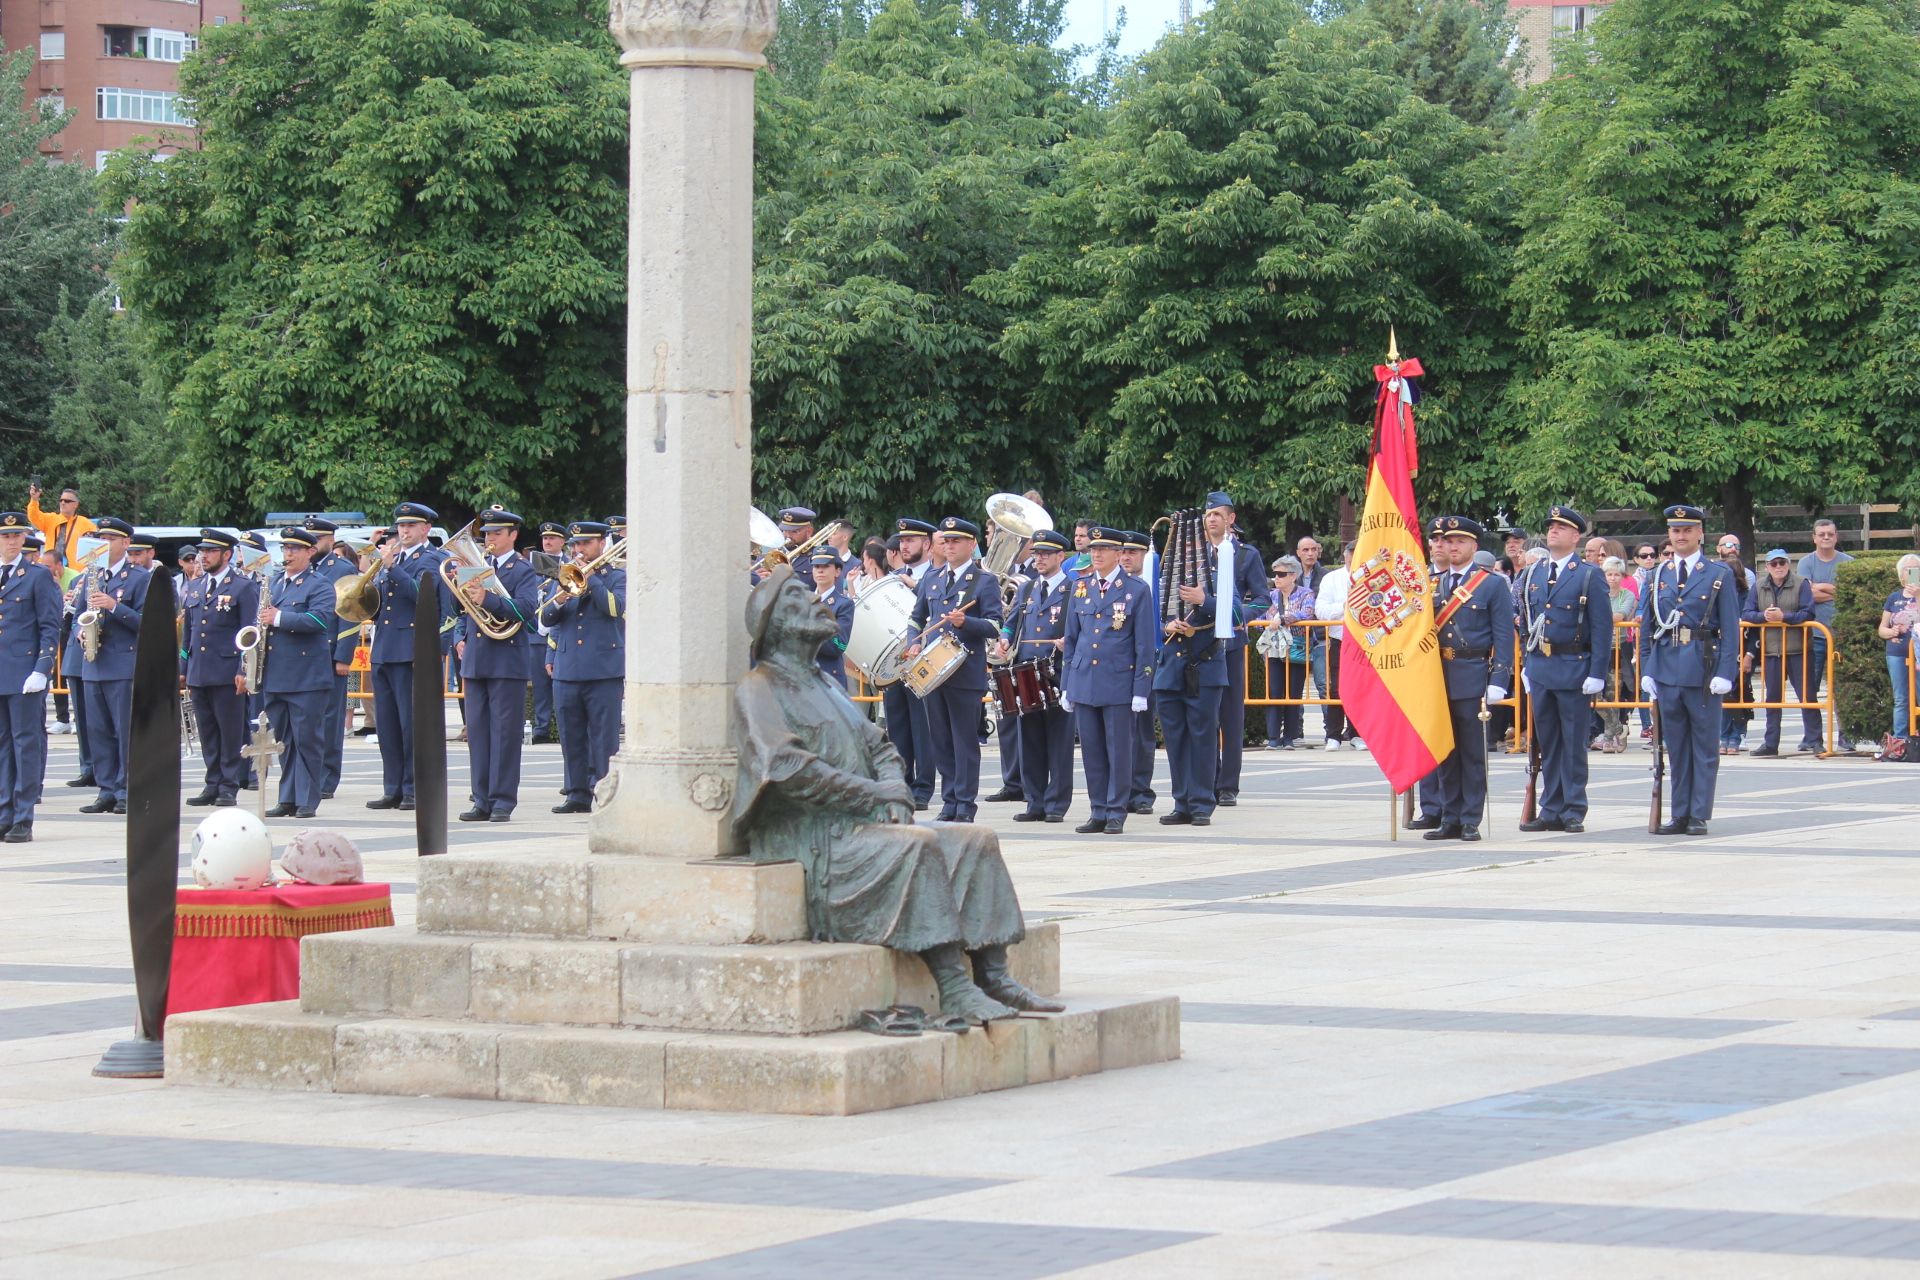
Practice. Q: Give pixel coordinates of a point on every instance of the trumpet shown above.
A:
(572, 576)
(465, 564)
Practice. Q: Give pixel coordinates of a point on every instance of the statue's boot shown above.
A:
(991, 974)
(958, 994)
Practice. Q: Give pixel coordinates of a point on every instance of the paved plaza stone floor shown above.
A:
(1547, 1055)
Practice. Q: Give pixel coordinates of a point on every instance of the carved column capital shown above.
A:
(692, 33)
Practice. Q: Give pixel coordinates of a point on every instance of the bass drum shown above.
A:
(882, 621)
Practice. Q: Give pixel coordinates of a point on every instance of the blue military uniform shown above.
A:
(907, 727)
(953, 709)
(1247, 578)
(544, 726)
(494, 674)
(1567, 624)
(1476, 654)
(29, 638)
(1140, 792)
(298, 680)
(832, 657)
(72, 674)
(1109, 665)
(1191, 676)
(109, 677)
(589, 648)
(333, 566)
(399, 586)
(217, 607)
(1689, 644)
(1036, 629)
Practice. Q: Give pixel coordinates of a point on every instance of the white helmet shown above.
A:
(231, 851)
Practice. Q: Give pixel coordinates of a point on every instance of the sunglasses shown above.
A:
(1643, 555)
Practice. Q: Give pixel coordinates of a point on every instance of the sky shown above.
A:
(1146, 21)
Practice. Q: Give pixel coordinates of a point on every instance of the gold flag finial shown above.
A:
(1393, 347)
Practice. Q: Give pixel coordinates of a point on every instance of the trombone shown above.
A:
(780, 555)
(572, 575)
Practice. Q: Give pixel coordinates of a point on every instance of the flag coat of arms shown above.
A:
(1391, 682)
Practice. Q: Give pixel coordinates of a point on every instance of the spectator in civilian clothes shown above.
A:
(1290, 601)
(1819, 567)
(1897, 619)
(1733, 723)
(1330, 605)
(1625, 606)
(1782, 596)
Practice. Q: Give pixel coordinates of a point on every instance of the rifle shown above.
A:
(1529, 807)
(1659, 770)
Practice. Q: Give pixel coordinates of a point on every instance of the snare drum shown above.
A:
(1036, 685)
(882, 623)
(1006, 691)
(935, 665)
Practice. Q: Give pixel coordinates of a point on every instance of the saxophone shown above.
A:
(89, 621)
(252, 643)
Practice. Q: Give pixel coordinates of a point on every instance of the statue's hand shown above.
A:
(900, 814)
(894, 791)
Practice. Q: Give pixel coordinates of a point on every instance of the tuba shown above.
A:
(466, 564)
(1014, 520)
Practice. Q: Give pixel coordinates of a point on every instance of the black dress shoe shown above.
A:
(921, 806)
(204, 798)
(1140, 806)
(326, 795)
(406, 804)
(224, 802)
(1056, 817)
(1425, 823)
(946, 815)
(98, 806)
(384, 802)
(1199, 821)
(120, 806)
(1448, 832)
(306, 813)
(1005, 794)
(1677, 827)
(1028, 815)
(1227, 799)
(1696, 826)
(282, 811)
(1573, 826)
(20, 833)
(573, 806)
(501, 815)
(1091, 827)
(1469, 834)
(1115, 826)
(1540, 824)
(475, 814)
(1765, 751)
(1176, 819)
(84, 780)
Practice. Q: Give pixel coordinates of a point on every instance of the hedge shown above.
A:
(1860, 670)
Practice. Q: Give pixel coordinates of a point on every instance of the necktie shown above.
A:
(1553, 575)
(6, 574)
(1453, 583)
(1683, 575)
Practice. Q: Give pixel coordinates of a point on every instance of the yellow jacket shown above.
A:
(59, 530)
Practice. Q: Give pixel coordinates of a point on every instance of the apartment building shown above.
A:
(1541, 22)
(114, 63)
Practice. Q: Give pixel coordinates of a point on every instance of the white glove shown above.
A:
(1066, 704)
(1719, 686)
(1525, 682)
(1592, 685)
(35, 682)
(1496, 694)
(1139, 705)
(1648, 687)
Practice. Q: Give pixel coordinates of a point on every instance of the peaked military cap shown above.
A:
(964, 528)
(14, 522)
(114, 524)
(1567, 515)
(585, 529)
(1461, 525)
(1684, 513)
(553, 527)
(1101, 535)
(146, 540)
(1135, 538)
(498, 517)
(320, 524)
(617, 522)
(414, 511)
(1218, 498)
(1052, 540)
(907, 524)
(794, 517)
(820, 558)
(297, 538)
(33, 542)
(218, 538)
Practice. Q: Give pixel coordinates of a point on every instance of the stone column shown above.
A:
(689, 422)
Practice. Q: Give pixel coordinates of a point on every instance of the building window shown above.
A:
(146, 106)
(53, 45)
(1569, 19)
(51, 103)
(144, 42)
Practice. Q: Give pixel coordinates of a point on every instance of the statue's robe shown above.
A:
(813, 787)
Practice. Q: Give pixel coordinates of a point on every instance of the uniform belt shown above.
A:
(1687, 635)
(1548, 648)
(1468, 654)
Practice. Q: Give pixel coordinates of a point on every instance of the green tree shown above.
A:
(108, 433)
(52, 245)
(395, 268)
(906, 177)
(1455, 53)
(1222, 263)
(1717, 285)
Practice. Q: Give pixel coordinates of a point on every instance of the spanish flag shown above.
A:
(1391, 683)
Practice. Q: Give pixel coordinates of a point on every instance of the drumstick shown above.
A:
(943, 617)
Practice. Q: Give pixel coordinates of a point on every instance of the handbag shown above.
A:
(1274, 641)
(1894, 749)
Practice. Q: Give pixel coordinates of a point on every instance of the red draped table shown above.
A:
(242, 946)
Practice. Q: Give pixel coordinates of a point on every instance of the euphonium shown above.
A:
(466, 563)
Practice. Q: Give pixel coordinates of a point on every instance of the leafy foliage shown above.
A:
(396, 267)
(1454, 53)
(107, 435)
(1222, 264)
(1717, 287)
(52, 246)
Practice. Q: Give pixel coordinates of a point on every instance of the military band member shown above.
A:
(494, 673)
(217, 604)
(1036, 631)
(72, 675)
(961, 599)
(333, 566)
(1109, 651)
(142, 550)
(29, 638)
(554, 542)
(1689, 652)
(1567, 624)
(824, 571)
(1191, 676)
(907, 727)
(1136, 550)
(1247, 583)
(298, 682)
(116, 593)
(408, 563)
(589, 654)
(1473, 618)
